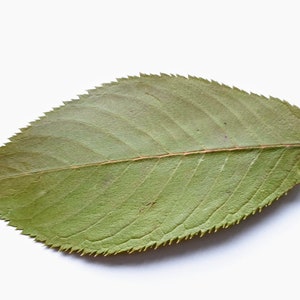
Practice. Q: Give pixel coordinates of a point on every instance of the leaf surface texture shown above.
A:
(147, 160)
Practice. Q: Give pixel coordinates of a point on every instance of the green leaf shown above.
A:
(148, 160)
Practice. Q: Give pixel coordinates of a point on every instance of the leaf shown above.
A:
(146, 161)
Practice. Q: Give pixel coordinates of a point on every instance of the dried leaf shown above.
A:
(148, 160)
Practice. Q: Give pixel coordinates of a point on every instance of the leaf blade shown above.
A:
(122, 166)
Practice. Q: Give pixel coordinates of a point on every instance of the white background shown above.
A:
(50, 51)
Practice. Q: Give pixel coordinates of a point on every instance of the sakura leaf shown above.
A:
(148, 160)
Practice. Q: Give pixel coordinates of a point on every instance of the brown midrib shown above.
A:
(159, 156)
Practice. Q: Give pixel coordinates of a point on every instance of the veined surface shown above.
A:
(148, 160)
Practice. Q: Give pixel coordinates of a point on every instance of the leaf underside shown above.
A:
(148, 160)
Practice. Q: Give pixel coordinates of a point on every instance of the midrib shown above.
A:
(158, 156)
